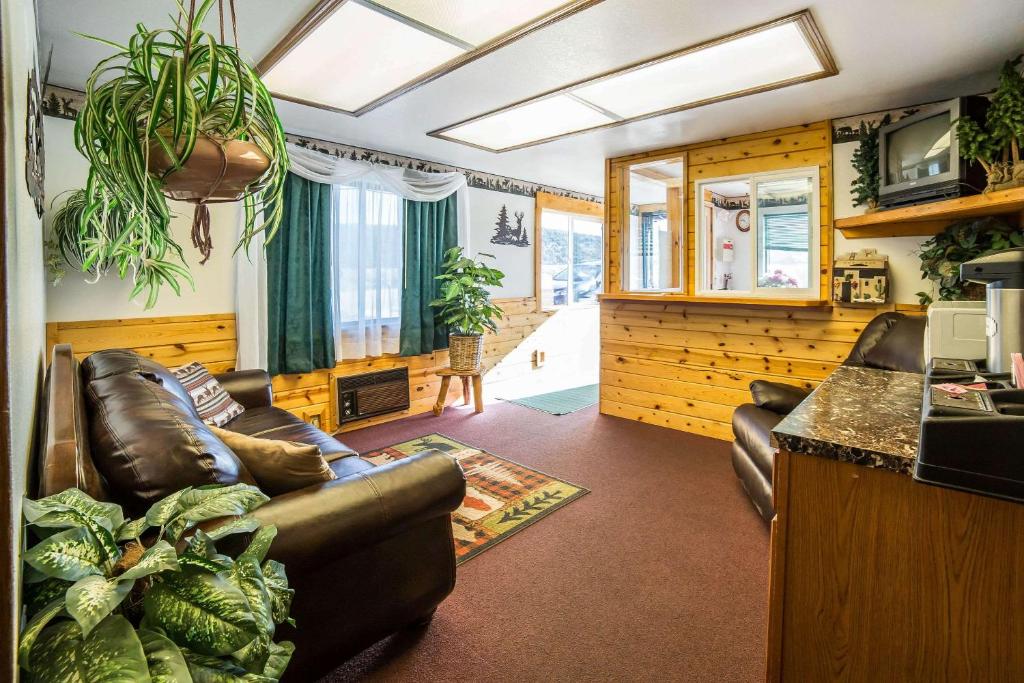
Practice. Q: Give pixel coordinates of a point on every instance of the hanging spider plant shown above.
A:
(176, 112)
(81, 230)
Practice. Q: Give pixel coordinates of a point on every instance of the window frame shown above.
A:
(701, 232)
(570, 292)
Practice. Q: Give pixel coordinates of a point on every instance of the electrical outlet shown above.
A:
(315, 421)
(538, 358)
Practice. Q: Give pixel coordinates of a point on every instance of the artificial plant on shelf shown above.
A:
(151, 599)
(963, 241)
(177, 112)
(865, 162)
(996, 142)
(465, 306)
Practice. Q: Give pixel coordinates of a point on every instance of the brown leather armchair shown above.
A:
(891, 341)
(368, 553)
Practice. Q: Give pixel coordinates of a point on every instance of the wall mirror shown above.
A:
(654, 250)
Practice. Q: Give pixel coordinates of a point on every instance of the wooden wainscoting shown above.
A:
(687, 366)
(211, 339)
(171, 341)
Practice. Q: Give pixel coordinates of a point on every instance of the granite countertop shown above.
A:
(858, 415)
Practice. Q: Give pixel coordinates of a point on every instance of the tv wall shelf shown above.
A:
(932, 218)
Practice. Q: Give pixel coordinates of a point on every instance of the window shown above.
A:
(654, 260)
(572, 265)
(768, 246)
(367, 262)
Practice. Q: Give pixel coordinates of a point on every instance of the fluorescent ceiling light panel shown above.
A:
(771, 56)
(473, 21)
(765, 57)
(356, 56)
(549, 117)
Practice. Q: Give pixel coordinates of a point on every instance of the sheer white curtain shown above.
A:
(367, 269)
(364, 253)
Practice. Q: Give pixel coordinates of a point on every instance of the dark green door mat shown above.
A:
(562, 402)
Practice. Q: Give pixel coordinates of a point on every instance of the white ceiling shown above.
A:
(890, 54)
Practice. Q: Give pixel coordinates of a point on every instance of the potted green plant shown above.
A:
(465, 306)
(175, 112)
(963, 241)
(996, 143)
(865, 162)
(74, 228)
(145, 599)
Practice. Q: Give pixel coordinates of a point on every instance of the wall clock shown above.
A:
(743, 220)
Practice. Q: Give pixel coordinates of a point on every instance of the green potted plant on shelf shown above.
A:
(865, 162)
(177, 113)
(151, 598)
(996, 142)
(465, 306)
(963, 241)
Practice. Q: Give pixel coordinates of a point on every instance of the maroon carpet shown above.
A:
(660, 573)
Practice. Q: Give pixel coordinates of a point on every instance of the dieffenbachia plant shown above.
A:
(105, 605)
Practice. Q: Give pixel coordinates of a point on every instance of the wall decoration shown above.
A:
(995, 142)
(66, 103)
(35, 163)
(505, 234)
(729, 203)
(847, 129)
(743, 220)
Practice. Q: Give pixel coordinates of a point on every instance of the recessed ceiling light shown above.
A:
(354, 55)
(765, 57)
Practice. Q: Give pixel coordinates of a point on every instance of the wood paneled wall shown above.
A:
(685, 364)
(211, 339)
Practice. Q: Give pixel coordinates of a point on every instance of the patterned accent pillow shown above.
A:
(215, 406)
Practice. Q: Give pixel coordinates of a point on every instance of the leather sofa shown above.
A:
(368, 553)
(891, 341)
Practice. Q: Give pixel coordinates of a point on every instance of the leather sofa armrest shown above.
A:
(776, 397)
(251, 388)
(326, 521)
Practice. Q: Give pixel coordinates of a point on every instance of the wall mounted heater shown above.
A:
(372, 393)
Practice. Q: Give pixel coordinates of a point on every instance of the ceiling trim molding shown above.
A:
(325, 8)
(803, 20)
(65, 103)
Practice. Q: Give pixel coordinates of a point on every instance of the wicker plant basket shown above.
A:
(465, 351)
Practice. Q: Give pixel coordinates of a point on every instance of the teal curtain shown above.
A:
(431, 229)
(299, 317)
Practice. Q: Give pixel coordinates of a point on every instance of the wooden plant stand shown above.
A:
(446, 379)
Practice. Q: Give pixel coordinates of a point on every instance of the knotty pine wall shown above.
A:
(211, 339)
(687, 364)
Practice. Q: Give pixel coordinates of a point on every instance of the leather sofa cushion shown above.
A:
(147, 443)
(278, 466)
(755, 483)
(776, 397)
(274, 423)
(752, 427)
(891, 341)
(110, 362)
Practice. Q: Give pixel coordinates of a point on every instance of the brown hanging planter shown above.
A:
(217, 171)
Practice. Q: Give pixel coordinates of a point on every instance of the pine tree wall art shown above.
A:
(507, 234)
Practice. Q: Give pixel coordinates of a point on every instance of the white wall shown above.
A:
(26, 293)
(75, 299)
(515, 262)
(904, 265)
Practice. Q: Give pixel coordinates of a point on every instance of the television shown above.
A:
(919, 156)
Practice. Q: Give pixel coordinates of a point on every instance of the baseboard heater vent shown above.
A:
(372, 394)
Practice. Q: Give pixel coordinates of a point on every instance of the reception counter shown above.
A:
(877, 577)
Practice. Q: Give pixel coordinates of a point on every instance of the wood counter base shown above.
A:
(876, 577)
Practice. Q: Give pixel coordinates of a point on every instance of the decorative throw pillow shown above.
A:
(215, 406)
(278, 466)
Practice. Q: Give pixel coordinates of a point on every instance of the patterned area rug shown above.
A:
(502, 497)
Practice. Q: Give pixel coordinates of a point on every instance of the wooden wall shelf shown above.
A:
(932, 218)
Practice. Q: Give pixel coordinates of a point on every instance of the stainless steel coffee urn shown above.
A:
(1002, 273)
